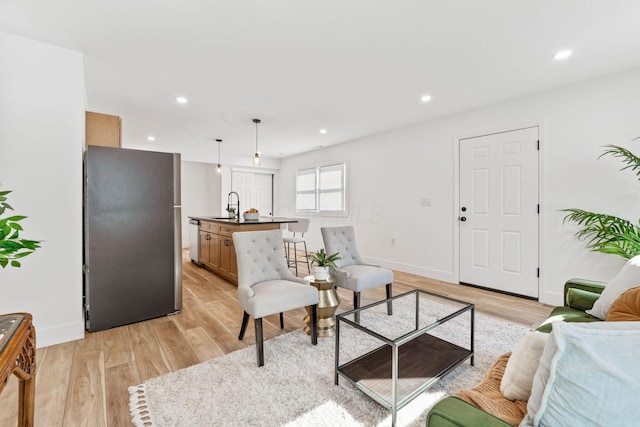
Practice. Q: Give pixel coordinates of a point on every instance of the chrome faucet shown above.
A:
(230, 205)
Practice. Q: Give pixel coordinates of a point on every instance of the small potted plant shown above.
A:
(232, 212)
(321, 262)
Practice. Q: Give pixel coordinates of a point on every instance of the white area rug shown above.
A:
(296, 385)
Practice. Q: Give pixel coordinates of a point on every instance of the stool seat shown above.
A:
(293, 240)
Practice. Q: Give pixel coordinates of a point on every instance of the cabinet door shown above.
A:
(224, 244)
(214, 250)
(203, 241)
(233, 261)
(103, 130)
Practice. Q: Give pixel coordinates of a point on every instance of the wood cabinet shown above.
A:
(209, 253)
(217, 251)
(103, 129)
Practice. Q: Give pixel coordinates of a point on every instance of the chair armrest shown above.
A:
(298, 280)
(287, 275)
(339, 275)
(454, 412)
(244, 293)
(581, 294)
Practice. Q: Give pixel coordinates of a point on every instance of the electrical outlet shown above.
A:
(393, 241)
(426, 202)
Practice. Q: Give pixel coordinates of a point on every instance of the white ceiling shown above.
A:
(354, 67)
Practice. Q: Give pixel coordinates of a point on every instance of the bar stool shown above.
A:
(302, 226)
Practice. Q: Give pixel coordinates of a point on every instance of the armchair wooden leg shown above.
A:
(356, 304)
(243, 328)
(259, 343)
(389, 302)
(281, 321)
(314, 324)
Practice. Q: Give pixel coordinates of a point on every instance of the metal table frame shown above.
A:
(395, 344)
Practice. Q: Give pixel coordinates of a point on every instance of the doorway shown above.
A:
(499, 211)
(255, 190)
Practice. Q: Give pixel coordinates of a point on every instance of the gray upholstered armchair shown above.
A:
(353, 273)
(265, 284)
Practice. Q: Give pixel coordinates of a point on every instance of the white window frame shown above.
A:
(317, 191)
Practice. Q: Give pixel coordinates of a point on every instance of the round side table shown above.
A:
(328, 302)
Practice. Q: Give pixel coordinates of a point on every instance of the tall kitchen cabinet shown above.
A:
(103, 129)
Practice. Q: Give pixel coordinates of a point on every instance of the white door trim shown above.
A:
(542, 188)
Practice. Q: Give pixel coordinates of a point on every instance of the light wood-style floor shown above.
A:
(84, 382)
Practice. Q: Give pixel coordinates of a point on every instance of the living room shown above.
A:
(44, 97)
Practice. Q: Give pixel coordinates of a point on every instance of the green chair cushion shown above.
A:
(454, 412)
(580, 299)
(566, 314)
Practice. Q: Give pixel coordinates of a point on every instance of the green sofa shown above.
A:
(579, 295)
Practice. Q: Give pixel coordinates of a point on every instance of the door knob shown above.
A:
(463, 218)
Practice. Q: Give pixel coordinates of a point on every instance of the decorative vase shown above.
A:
(320, 273)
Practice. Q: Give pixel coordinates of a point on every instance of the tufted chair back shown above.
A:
(260, 256)
(343, 241)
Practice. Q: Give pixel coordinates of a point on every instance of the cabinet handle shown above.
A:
(226, 242)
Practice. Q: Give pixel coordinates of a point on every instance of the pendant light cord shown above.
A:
(256, 121)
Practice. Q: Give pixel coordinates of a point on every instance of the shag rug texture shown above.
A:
(296, 386)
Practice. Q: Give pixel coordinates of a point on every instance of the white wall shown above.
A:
(389, 173)
(200, 193)
(42, 104)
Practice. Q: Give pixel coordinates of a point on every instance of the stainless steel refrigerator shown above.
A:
(132, 236)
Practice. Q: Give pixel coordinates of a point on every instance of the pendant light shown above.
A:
(219, 167)
(256, 156)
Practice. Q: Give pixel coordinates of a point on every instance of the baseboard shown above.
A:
(59, 334)
(445, 276)
(551, 298)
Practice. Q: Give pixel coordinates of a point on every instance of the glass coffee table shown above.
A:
(393, 359)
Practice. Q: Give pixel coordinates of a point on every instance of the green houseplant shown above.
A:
(12, 247)
(607, 233)
(321, 262)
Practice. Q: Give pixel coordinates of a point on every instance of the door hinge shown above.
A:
(538, 145)
(538, 272)
(538, 207)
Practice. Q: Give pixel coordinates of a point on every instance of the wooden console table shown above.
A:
(18, 357)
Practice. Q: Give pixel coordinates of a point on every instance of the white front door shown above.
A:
(255, 191)
(498, 216)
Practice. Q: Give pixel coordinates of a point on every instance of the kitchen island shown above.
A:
(216, 250)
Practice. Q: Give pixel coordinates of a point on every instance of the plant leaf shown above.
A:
(628, 158)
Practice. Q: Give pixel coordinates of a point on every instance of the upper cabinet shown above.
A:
(103, 130)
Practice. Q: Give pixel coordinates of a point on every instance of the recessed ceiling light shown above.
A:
(563, 54)
(323, 131)
(151, 138)
(181, 100)
(425, 98)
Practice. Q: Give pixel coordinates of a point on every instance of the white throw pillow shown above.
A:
(589, 375)
(627, 278)
(522, 366)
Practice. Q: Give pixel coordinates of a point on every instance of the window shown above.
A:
(321, 189)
